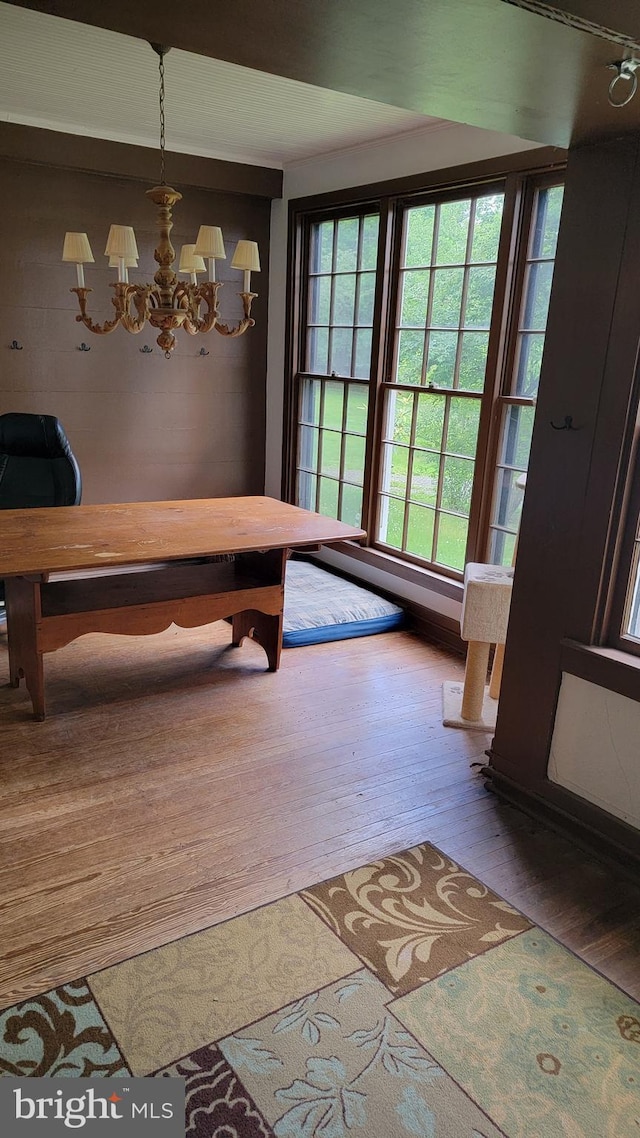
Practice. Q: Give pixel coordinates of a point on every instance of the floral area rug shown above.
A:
(403, 998)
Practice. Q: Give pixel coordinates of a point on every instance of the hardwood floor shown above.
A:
(176, 783)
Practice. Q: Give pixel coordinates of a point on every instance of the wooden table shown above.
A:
(177, 571)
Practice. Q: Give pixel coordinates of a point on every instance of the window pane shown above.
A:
(391, 521)
(341, 346)
(473, 360)
(441, 360)
(395, 461)
(400, 410)
(631, 626)
(415, 296)
(486, 230)
(333, 404)
(419, 235)
(310, 401)
(319, 300)
(409, 361)
(351, 509)
(516, 436)
(509, 497)
(330, 457)
(537, 293)
(344, 299)
(502, 548)
(547, 223)
(347, 245)
(357, 405)
(430, 421)
(328, 497)
(529, 360)
(424, 477)
(366, 298)
(453, 231)
(318, 350)
(447, 298)
(362, 362)
(306, 490)
(452, 541)
(369, 253)
(420, 531)
(477, 313)
(322, 247)
(399, 414)
(354, 458)
(462, 430)
(308, 448)
(457, 485)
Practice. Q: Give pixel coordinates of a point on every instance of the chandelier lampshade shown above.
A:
(191, 263)
(246, 257)
(77, 250)
(168, 303)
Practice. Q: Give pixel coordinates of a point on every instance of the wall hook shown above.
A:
(146, 350)
(203, 352)
(84, 347)
(15, 346)
(566, 426)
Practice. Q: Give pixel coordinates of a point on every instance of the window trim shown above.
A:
(621, 562)
(542, 166)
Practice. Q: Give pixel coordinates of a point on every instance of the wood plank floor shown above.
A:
(176, 783)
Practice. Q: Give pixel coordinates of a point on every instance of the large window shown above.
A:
(522, 373)
(332, 421)
(420, 326)
(432, 404)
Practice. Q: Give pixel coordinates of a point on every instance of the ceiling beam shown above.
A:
(483, 62)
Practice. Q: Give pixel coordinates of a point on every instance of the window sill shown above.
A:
(395, 567)
(608, 668)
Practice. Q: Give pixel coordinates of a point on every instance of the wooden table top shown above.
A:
(90, 537)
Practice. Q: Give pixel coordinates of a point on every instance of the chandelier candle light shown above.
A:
(169, 303)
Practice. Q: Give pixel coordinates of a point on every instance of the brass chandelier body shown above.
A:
(169, 303)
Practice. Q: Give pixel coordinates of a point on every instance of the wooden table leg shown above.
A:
(265, 629)
(22, 599)
(475, 675)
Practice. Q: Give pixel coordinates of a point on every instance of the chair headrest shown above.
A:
(32, 436)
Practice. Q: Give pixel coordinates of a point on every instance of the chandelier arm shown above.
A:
(139, 294)
(99, 329)
(206, 293)
(242, 325)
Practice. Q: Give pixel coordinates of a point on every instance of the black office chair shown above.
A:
(37, 465)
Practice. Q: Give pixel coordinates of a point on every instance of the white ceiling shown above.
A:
(70, 77)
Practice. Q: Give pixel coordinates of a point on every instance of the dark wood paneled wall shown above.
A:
(570, 518)
(142, 427)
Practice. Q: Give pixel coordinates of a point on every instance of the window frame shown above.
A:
(519, 182)
(622, 562)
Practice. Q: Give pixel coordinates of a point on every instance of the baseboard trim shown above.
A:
(618, 843)
(434, 627)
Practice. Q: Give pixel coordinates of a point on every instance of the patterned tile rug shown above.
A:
(403, 998)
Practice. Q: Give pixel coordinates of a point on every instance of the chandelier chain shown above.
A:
(162, 171)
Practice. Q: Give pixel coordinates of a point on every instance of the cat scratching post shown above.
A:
(485, 614)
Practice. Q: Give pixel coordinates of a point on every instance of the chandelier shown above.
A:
(168, 303)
